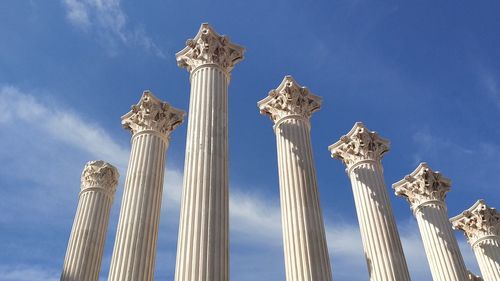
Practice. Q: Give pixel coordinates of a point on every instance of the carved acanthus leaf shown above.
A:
(423, 185)
(99, 174)
(208, 47)
(152, 114)
(358, 145)
(289, 99)
(478, 221)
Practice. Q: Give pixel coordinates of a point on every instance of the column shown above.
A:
(86, 242)
(361, 151)
(151, 122)
(481, 225)
(203, 242)
(426, 190)
(306, 253)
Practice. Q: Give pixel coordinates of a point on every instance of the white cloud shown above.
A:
(27, 273)
(254, 219)
(108, 21)
(63, 125)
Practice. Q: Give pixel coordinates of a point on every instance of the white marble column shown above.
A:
(481, 225)
(361, 151)
(203, 243)
(151, 121)
(306, 253)
(86, 242)
(426, 190)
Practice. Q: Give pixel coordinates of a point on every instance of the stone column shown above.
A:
(426, 190)
(151, 121)
(203, 243)
(481, 225)
(361, 151)
(86, 242)
(306, 253)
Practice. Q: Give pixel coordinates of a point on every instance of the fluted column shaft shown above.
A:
(305, 247)
(487, 252)
(361, 150)
(135, 245)
(203, 242)
(441, 246)
(481, 225)
(151, 121)
(425, 190)
(381, 242)
(203, 245)
(86, 242)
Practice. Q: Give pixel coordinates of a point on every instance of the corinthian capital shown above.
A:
(477, 222)
(99, 174)
(289, 99)
(423, 185)
(358, 145)
(208, 47)
(152, 114)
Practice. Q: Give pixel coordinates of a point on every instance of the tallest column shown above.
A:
(203, 245)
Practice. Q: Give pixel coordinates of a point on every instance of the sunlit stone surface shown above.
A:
(150, 121)
(306, 253)
(361, 150)
(426, 190)
(203, 243)
(481, 225)
(86, 243)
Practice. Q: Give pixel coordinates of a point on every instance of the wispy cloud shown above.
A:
(108, 21)
(492, 88)
(60, 123)
(481, 159)
(27, 273)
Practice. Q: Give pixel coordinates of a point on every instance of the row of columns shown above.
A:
(203, 248)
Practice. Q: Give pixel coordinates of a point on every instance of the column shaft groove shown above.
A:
(203, 246)
(88, 234)
(135, 245)
(441, 246)
(383, 250)
(306, 253)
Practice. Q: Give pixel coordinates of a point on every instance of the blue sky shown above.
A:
(424, 74)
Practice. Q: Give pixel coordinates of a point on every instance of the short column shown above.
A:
(306, 253)
(203, 242)
(481, 225)
(361, 151)
(151, 121)
(86, 242)
(426, 190)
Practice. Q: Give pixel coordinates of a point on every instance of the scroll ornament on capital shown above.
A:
(208, 47)
(289, 99)
(99, 174)
(423, 185)
(359, 144)
(152, 114)
(478, 221)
